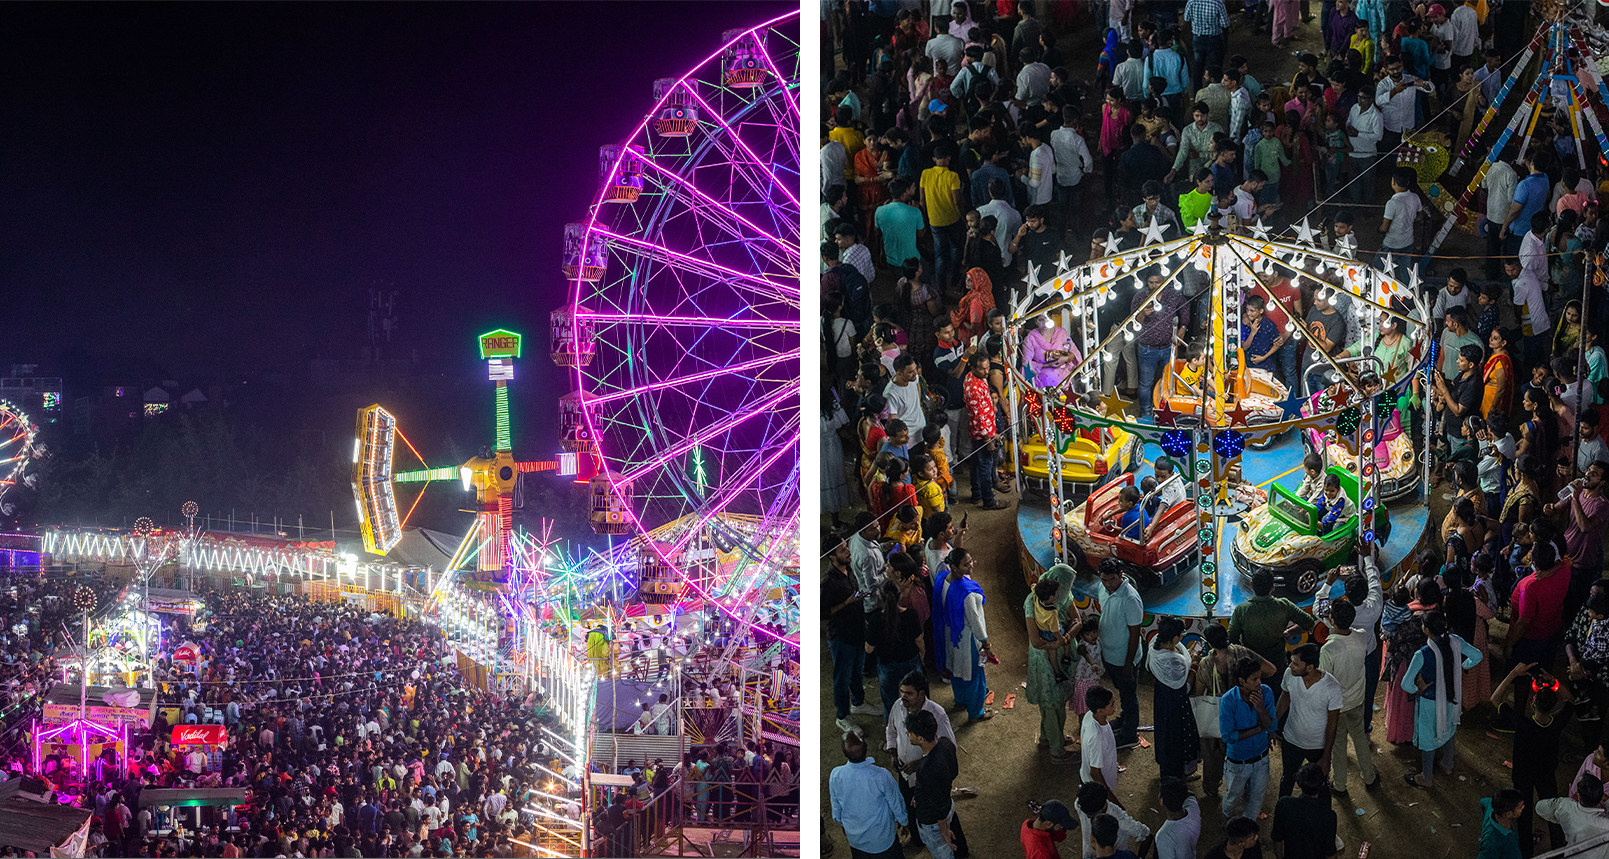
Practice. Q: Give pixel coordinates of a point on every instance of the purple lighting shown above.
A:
(692, 391)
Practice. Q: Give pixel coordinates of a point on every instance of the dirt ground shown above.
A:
(999, 757)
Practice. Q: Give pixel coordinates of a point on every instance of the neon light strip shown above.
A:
(426, 475)
(504, 438)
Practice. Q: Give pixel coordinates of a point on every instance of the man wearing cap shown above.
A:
(1042, 833)
(867, 803)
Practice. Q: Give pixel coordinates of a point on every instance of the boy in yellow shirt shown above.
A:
(933, 440)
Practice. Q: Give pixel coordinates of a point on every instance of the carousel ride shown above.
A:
(1234, 432)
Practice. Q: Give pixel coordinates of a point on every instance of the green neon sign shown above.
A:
(501, 343)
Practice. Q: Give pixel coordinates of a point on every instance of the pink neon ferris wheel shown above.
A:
(684, 326)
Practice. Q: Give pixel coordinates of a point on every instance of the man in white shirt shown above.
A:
(1130, 74)
(1364, 127)
(1455, 294)
(913, 698)
(1177, 836)
(1040, 176)
(904, 395)
(1098, 749)
(1343, 656)
(1581, 816)
(661, 717)
(1466, 34)
(1122, 612)
(1397, 97)
(1007, 220)
(1239, 106)
(834, 159)
(1534, 251)
(1034, 79)
(1533, 312)
(1308, 714)
(974, 69)
(1073, 163)
(948, 49)
(1093, 801)
(1498, 185)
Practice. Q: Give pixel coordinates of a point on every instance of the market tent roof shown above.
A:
(27, 824)
(192, 796)
(67, 693)
(171, 594)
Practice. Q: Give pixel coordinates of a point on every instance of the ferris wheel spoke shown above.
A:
(753, 161)
(713, 430)
(781, 81)
(730, 493)
(706, 375)
(698, 200)
(739, 279)
(693, 321)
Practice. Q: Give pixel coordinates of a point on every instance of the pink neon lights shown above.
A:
(754, 472)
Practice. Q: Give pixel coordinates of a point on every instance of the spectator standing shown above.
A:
(1308, 713)
(1122, 612)
(943, 199)
(866, 803)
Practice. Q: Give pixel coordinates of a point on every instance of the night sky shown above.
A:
(211, 189)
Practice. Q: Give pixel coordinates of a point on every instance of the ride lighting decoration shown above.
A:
(1228, 443)
(84, 735)
(1347, 422)
(1176, 443)
(1066, 422)
(84, 598)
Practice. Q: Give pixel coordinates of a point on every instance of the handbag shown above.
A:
(1205, 710)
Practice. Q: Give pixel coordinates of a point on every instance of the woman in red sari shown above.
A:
(871, 180)
(1497, 377)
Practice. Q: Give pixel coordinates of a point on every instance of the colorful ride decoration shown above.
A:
(1564, 77)
(493, 475)
(1207, 442)
(683, 327)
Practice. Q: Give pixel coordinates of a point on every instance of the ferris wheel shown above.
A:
(19, 448)
(683, 327)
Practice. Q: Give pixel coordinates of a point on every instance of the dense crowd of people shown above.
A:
(964, 145)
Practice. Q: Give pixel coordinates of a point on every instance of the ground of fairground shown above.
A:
(1000, 759)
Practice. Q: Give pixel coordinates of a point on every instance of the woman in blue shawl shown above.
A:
(962, 635)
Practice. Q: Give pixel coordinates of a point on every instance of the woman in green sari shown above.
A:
(1053, 622)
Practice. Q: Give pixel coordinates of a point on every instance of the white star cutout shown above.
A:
(1033, 276)
(1259, 230)
(1413, 280)
(1153, 232)
(1111, 245)
(1305, 232)
(1061, 261)
(1201, 227)
(1349, 243)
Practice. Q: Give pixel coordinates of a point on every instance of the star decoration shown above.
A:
(1292, 405)
(1111, 245)
(1238, 415)
(1201, 227)
(1034, 403)
(1305, 232)
(1349, 244)
(1165, 415)
(1033, 276)
(1115, 406)
(1062, 261)
(1066, 422)
(1413, 280)
(1153, 232)
(1259, 230)
(1418, 351)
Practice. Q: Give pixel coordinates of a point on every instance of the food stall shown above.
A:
(210, 740)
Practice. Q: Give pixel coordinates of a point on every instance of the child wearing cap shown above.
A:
(1041, 833)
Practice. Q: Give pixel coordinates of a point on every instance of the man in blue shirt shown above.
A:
(866, 801)
(1530, 196)
(899, 222)
(1246, 723)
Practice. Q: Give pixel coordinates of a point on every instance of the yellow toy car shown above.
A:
(1088, 458)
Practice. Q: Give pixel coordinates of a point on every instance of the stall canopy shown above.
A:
(61, 705)
(185, 797)
(170, 601)
(44, 829)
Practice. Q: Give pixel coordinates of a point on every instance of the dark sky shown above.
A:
(213, 188)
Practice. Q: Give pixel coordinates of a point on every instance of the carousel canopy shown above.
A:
(27, 824)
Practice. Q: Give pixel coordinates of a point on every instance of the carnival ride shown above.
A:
(19, 451)
(1394, 455)
(1283, 537)
(1567, 78)
(1166, 551)
(1209, 445)
(493, 475)
(683, 328)
(1086, 458)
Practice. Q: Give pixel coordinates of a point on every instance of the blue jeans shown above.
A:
(1289, 357)
(847, 680)
(1244, 788)
(1151, 361)
(947, 244)
(1371, 682)
(983, 472)
(1208, 52)
(888, 677)
(930, 835)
